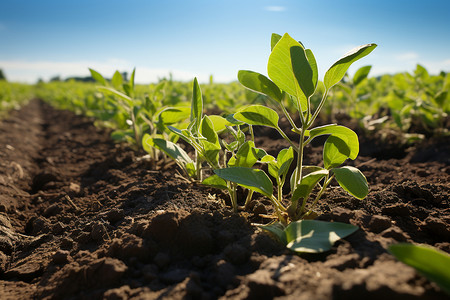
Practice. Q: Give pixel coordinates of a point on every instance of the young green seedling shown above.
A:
(293, 74)
(202, 134)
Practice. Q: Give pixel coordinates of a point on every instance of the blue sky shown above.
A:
(42, 39)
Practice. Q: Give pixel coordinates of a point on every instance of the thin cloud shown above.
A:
(275, 8)
(31, 71)
(407, 56)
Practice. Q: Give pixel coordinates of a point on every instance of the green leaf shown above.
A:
(260, 84)
(97, 77)
(337, 71)
(344, 133)
(172, 115)
(280, 67)
(211, 153)
(274, 40)
(258, 115)
(307, 183)
(196, 105)
(245, 157)
(313, 65)
(215, 181)
(284, 160)
(253, 179)
(430, 262)
(220, 123)
(276, 229)
(172, 150)
(117, 80)
(132, 80)
(335, 152)
(352, 180)
(313, 236)
(303, 71)
(207, 131)
(230, 118)
(112, 91)
(361, 74)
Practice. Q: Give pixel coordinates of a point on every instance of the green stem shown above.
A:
(316, 113)
(248, 200)
(287, 139)
(288, 116)
(319, 195)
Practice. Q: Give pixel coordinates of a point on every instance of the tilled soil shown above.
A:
(84, 218)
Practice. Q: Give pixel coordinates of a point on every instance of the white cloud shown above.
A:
(275, 8)
(407, 56)
(31, 71)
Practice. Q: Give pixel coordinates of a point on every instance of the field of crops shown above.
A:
(280, 187)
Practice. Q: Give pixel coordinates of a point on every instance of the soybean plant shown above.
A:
(293, 74)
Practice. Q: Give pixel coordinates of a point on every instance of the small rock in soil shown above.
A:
(396, 210)
(61, 257)
(379, 223)
(115, 215)
(162, 260)
(121, 293)
(98, 232)
(262, 286)
(437, 227)
(236, 254)
(52, 210)
(395, 233)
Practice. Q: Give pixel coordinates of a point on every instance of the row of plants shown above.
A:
(14, 95)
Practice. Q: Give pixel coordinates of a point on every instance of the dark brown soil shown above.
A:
(84, 218)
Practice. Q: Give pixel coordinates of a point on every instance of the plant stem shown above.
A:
(287, 139)
(319, 195)
(316, 113)
(248, 200)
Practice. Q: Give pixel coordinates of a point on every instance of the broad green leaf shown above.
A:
(215, 181)
(313, 65)
(303, 71)
(274, 40)
(352, 180)
(97, 77)
(431, 263)
(211, 153)
(284, 160)
(276, 229)
(172, 115)
(207, 131)
(307, 183)
(253, 179)
(244, 157)
(337, 71)
(220, 123)
(230, 118)
(196, 104)
(260, 84)
(117, 80)
(258, 115)
(361, 74)
(314, 236)
(344, 133)
(335, 152)
(172, 150)
(280, 68)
